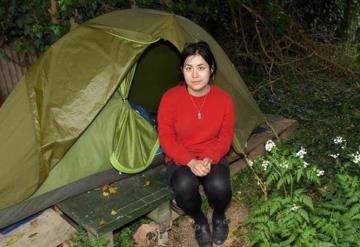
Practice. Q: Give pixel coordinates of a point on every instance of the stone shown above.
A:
(146, 235)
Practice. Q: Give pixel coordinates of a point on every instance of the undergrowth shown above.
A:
(311, 201)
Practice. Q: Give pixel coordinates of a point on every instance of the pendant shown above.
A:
(199, 115)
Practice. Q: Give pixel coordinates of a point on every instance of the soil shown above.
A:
(182, 232)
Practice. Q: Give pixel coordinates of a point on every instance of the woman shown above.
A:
(196, 123)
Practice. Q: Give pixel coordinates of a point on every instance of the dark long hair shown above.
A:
(198, 48)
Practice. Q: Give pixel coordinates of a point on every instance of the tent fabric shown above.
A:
(71, 83)
(135, 140)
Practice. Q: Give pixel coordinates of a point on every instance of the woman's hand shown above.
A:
(199, 167)
(207, 162)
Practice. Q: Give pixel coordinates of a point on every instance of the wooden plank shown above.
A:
(16, 57)
(12, 71)
(135, 196)
(49, 229)
(4, 70)
(255, 147)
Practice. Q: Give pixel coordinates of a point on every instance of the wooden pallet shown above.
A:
(48, 229)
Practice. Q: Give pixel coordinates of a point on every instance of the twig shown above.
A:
(268, 83)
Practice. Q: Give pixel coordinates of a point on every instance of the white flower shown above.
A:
(269, 145)
(265, 164)
(305, 164)
(334, 155)
(320, 173)
(284, 165)
(295, 207)
(301, 153)
(355, 157)
(250, 162)
(339, 139)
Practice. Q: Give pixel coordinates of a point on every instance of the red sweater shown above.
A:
(183, 136)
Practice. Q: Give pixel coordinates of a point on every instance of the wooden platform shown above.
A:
(49, 229)
(133, 197)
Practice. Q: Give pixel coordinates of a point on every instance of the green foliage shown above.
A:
(289, 216)
(81, 239)
(323, 109)
(28, 26)
(284, 170)
(323, 18)
(337, 219)
(243, 188)
(124, 237)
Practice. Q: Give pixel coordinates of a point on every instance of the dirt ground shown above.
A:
(182, 233)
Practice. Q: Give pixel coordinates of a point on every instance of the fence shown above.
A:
(12, 66)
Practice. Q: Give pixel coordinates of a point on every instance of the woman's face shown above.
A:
(197, 73)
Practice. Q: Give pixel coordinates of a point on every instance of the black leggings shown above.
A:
(216, 184)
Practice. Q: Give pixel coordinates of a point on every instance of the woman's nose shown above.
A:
(194, 73)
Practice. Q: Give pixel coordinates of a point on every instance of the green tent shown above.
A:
(69, 122)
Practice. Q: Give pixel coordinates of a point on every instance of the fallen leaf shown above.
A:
(105, 187)
(113, 189)
(113, 212)
(32, 235)
(109, 189)
(147, 183)
(12, 240)
(102, 222)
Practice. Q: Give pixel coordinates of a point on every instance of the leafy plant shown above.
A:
(282, 170)
(81, 239)
(289, 217)
(124, 238)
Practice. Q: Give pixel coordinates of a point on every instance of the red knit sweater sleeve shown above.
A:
(219, 146)
(167, 135)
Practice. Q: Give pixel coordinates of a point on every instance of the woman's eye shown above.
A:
(187, 68)
(202, 68)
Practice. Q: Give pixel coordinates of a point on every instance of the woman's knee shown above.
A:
(218, 186)
(183, 181)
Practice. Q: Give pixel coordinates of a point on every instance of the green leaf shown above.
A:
(299, 174)
(306, 200)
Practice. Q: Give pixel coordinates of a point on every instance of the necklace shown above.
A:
(198, 114)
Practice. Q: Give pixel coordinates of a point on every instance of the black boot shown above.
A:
(220, 231)
(203, 235)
